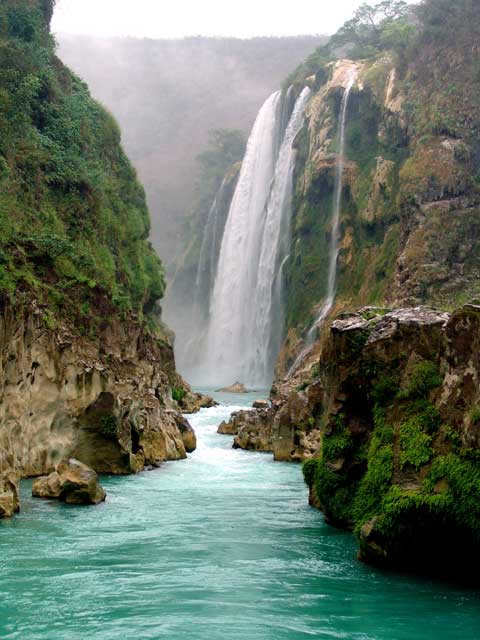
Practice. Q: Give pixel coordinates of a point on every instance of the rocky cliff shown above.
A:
(389, 426)
(86, 367)
(105, 400)
(411, 202)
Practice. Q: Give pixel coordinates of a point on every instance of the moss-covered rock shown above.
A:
(399, 459)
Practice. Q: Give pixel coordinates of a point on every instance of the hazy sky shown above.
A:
(176, 18)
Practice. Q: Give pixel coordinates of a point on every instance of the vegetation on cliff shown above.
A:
(74, 223)
(411, 199)
(398, 463)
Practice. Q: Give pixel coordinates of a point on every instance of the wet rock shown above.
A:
(254, 431)
(236, 387)
(9, 491)
(104, 400)
(192, 402)
(72, 482)
(229, 428)
(261, 404)
(188, 434)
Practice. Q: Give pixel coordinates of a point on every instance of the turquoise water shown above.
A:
(222, 546)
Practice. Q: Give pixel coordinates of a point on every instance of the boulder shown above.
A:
(192, 402)
(72, 482)
(229, 428)
(9, 489)
(188, 434)
(236, 387)
(254, 431)
(261, 404)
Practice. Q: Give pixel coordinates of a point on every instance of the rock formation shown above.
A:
(86, 365)
(104, 401)
(9, 489)
(72, 482)
(392, 413)
(236, 387)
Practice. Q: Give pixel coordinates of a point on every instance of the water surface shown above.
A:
(222, 546)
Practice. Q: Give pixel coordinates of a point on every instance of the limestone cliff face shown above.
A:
(410, 216)
(104, 400)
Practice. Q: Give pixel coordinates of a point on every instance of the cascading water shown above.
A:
(191, 327)
(266, 331)
(247, 266)
(335, 232)
(207, 260)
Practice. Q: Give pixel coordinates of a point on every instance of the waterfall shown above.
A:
(192, 331)
(335, 232)
(207, 262)
(266, 332)
(243, 294)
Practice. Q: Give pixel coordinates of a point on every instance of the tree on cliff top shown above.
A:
(367, 29)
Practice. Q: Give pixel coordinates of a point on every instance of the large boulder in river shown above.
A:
(72, 482)
(9, 487)
(236, 387)
(192, 402)
(229, 427)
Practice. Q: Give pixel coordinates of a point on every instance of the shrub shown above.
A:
(178, 393)
(415, 444)
(423, 379)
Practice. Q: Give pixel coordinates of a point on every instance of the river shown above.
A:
(222, 546)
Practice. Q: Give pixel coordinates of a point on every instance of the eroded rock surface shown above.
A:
(9, 492)
(72, 482)
(104, 400)
(192, 402)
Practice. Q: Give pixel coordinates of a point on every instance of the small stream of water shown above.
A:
(222, 546)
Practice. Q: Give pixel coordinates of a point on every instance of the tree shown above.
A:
(369, 22)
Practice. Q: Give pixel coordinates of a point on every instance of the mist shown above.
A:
(167, 96)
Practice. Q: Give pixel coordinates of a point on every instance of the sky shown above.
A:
(178, 18)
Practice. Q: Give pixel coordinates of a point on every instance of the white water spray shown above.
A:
(335, 232)
(266, 331)
(238, 343)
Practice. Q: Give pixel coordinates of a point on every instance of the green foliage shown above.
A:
(423, 379)
(178, 393)
(378, 478)
(314, 65)
(416, 433)
(457, 500)
(73, 218)
(375, 27)
(385, 388)
(108, 425)
(338, 442)
(416, 449)
(309, 468)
